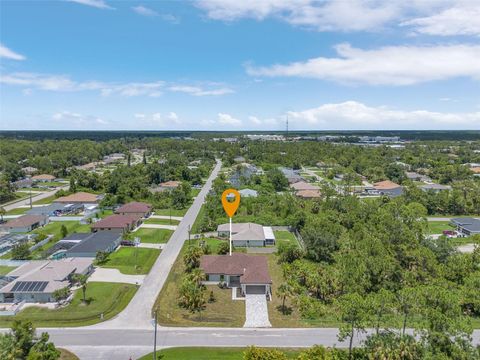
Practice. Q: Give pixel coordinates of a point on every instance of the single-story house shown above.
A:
(43, 178)
(79, 197)
(309, 194)
(303, 185)
(117, 222)
(247, 234)
(36, 281)
(135, 208)
(246, 193)
(88, 244)
(25, 223)
(247, 272)
(23, 183)
(435, 187)
(292, 176)
(466, 226)
(388, 188)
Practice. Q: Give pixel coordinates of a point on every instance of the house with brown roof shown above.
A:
(239, 270)
(135, 208)
(309, 194)
(79, 197)
(388, 188)
(25, 223)
(122, 223)
(303, 185)
(43, 178)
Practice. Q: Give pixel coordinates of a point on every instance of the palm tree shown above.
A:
(284, 291)
(196, 276)
(81, 280)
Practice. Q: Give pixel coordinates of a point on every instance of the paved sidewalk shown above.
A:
(115, 276)
(166, 217)
(256, 312)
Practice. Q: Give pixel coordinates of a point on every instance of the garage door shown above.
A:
(255, 289)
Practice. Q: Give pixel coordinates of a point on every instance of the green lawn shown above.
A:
(285, 237)
(45, 201)
(108, 299)
(173, 212)
(18, 211)
(104, 213)
(436, 227)
(67, 355)
(132, 261)
(161, 221)
(6, 269)
(224, 312)
(198, 220)
(155, 236)
(206, 353)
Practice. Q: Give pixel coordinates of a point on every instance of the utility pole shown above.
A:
(155, 337)
(30, 198)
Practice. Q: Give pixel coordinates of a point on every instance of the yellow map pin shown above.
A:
(230, 207)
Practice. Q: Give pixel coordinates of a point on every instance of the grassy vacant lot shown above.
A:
(18, 211)
(155, 236)
(224, 312)
(6, 269)
(436, 227)
(173, 212)
(132, 261)
(161, 221)
(47, 200)
(102, 298)
(206, 353)
(285, 237)
(198, 220)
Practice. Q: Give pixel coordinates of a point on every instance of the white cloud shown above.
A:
(463, 19)
(255, 120)
(227, 119)
(355, 115)
(10, 54)
(100, 4)
(392, 65)
(64, 83)
(76, 120)
(144, 11)
(198, 91)
(157, 118)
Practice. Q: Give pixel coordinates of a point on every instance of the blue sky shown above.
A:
(230, 65)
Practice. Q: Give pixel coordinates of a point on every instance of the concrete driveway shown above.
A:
(114, 275)
(256, 311)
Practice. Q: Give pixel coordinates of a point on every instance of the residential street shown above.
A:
(35, 197)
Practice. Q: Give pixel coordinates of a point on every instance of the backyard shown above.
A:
(132, 260)
(285, 237)
(108, 299)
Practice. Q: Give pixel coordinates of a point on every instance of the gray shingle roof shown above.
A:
(99, 241)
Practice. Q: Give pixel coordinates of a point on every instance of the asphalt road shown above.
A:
(35, 197)
(137, 314)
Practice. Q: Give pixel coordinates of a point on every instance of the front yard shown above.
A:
(154, 236)
(132, 261)
(108, 299)
(209, 353)
(224, 312)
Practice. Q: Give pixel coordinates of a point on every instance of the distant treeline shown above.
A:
(457, 135)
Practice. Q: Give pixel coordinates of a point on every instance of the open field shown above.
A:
(132, 261)
(102, 298)
(155, 236)
(173, 212)
(208, 353)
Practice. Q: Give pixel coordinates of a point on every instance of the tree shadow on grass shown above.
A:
(287, 310)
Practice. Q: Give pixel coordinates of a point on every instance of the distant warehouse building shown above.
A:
(466, 226)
